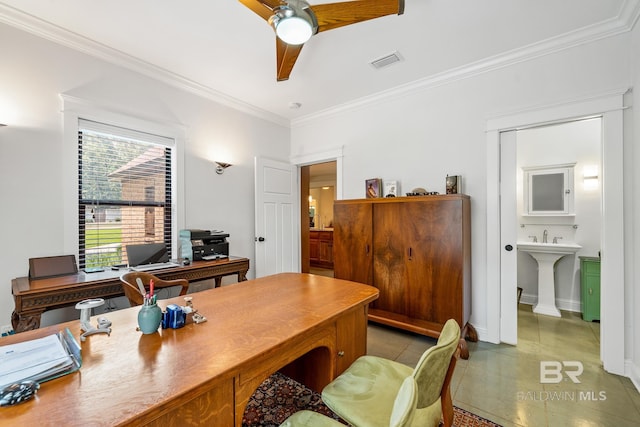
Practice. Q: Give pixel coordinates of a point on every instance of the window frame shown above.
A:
(74, 109)
(92, 135)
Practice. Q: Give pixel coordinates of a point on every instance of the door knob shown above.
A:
(509, 248)
(260, 239)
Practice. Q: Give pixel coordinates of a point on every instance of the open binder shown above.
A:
(40, 359)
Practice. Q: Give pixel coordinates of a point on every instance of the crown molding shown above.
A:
(624, 22)
(59, 35)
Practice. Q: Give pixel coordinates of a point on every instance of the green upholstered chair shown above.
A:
(363, 394)
(401, 414)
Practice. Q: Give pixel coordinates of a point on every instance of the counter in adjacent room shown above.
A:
(321, 247)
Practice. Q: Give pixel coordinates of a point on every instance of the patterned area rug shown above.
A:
(279, 396)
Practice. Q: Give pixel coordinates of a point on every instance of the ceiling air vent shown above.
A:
(385, 61)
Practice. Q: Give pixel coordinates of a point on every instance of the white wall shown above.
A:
(427, 132)
(632, 194)
(576, 142)
(32, 177)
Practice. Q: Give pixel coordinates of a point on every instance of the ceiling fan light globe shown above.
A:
(294, 30)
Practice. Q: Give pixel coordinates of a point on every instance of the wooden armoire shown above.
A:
(416, 251)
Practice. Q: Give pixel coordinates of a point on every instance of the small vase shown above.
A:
(149, 318)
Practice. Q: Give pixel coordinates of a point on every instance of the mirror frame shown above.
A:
(567, 171)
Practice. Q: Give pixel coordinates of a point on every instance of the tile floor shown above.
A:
(502, 382)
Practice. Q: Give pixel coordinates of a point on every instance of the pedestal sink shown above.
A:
(547, 254)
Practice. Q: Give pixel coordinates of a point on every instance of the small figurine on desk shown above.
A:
(197, 317)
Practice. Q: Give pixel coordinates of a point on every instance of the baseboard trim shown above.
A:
(561, 303)
(569, 305)
(633, 372)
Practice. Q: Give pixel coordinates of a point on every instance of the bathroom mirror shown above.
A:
(548, 190)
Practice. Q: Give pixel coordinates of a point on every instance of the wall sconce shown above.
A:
(221, 167)
(590, 177)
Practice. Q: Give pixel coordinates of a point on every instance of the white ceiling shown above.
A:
(223, 50)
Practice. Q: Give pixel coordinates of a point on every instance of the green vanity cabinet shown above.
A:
(590, 286)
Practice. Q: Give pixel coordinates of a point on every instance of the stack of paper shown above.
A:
(38, 360)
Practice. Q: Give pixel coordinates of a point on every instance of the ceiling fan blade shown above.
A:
(264, 8)
(286, 58)
(335, 15)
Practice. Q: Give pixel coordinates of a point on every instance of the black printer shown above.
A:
(204, 244)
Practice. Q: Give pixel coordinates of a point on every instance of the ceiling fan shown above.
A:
(295, 21)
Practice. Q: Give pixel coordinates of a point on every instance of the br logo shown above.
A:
(551, 371)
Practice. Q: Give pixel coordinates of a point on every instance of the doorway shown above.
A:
(577, 143)
(302, 162)
(501, 278)
(318, 192)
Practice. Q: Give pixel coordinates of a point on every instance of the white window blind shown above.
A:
(124, 193)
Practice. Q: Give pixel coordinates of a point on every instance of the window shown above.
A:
(124, 193)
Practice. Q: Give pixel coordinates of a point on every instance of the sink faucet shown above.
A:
(555, 239)
(545, 233)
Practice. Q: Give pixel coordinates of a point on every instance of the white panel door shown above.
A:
(508, 238)
(276, 240)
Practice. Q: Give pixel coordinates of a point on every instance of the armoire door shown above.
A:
(440, 260)
(352, 246)
(390, 253)
(422, 238)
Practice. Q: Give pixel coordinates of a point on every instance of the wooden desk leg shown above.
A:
(242, 277)
(468, 333)
(26, 321)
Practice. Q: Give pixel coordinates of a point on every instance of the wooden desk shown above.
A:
(204, 374)
(34, 297)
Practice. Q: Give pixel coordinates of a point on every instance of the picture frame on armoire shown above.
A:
(373, 188)
(391, 188)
